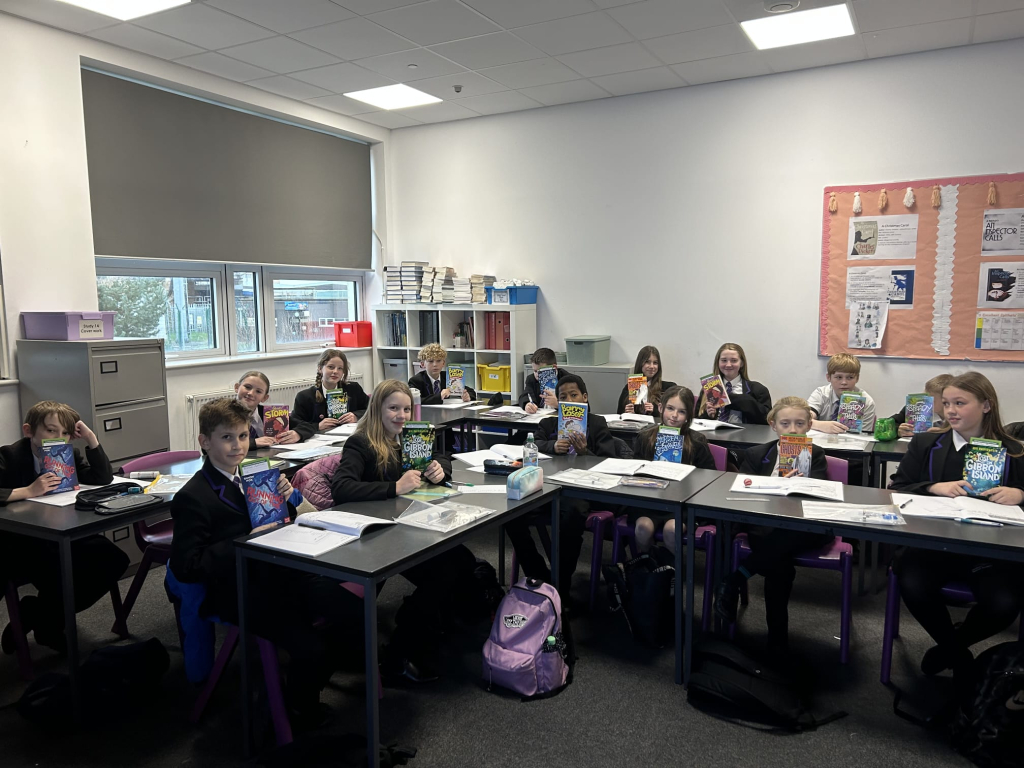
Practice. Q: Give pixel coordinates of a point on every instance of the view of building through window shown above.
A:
(177, 309)
(305, 310)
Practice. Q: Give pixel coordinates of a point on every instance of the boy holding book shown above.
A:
(532, 398)
(96, 563)
(933, 388)
(432, 381)
(313, 617)
(843, 375)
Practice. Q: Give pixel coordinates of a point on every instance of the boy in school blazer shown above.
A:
(96, 562)
(432, 381)
(532, 399)
(314, 618)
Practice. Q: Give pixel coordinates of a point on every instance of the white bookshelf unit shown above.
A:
(399, 361)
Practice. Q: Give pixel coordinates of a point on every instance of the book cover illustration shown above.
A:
(715, 394)
(456, 380)
(337, 403)
(417, 445)
(547, 378)
(636, 389)
(275, 419)
(572, 417)
(265, 504)
(59, 458)
(795, 453)
(920, 409)
(984, 464)
(851, 411)
(668, 445)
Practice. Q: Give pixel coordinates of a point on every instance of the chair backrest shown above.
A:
(161, 459)
(721, 456)
(838, 469)
(623, 450)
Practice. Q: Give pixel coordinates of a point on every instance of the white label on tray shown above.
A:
(90, 329)
(500, 297)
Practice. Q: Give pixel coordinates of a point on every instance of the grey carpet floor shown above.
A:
(623, 707)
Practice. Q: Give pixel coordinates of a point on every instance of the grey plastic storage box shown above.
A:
(395, 368)
(587, 350)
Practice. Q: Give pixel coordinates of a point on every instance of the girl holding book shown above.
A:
(252, 391)
(648, 363)
(676, 409)
(772, 550)
(332, 401)
(935, 465)
(750, 401)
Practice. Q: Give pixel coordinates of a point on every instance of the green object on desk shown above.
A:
(885, 429)
(430, 492)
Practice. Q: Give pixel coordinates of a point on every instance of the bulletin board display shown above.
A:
(919, 281)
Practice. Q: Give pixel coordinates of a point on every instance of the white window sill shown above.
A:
(8, 382)
(199, 362)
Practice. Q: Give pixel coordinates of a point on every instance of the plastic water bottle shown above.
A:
(417, 400)
(530, 452)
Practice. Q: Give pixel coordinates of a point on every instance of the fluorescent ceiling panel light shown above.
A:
(393, 97)
(798, 27)
(126, 9)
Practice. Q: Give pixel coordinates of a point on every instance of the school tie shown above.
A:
(835, 412)
(437, 387)
(238, 484)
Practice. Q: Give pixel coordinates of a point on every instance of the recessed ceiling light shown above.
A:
(799, 27)
(413, 66)
(393, 97)
(126, 9)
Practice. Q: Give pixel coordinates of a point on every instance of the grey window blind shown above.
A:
(173, 177)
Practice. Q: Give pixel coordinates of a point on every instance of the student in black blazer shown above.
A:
(934, 464)
(432, 381)
(252, 391)
(309, 413)
(772, 549)
(750, 401)
(96, 563)
(933, 387)
(313, 617)
(648, 362)
(532, 399)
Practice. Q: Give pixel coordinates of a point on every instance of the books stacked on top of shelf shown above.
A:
(412, 280)
(427, 286)
(392, 285)
(395, 334)
(478, 285)
(441, 277)
(461, 292)
(448, 287)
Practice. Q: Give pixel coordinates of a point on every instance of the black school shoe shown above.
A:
(727, 599)
(396, 668)
(28, 607)
(939, 658)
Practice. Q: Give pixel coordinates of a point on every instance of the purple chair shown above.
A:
(835, 556)
(721, 456)
(955, 593)
(153, 539)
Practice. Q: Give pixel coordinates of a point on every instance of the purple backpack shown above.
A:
(528, 652)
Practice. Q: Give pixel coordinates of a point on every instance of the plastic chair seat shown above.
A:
(158, 534)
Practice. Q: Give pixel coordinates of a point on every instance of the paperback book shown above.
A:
(275, 419)
(636, 389)
(851, 411)
(547, 378)
(337, 403)
(265, 504)
(456, 380)
(59, 458)
(417, 445)
(715, 394)
(920, 409)
(668, 445)
(572, 417)
(983, 465)
(795, 453)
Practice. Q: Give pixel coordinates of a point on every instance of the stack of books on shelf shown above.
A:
(441, 276)
(412, 280)
(478, 284)
(447, 288)
(392, 285)
(427, 288)
(394, 330)
(461, 293)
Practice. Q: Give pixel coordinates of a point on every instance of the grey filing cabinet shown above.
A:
(118, 387)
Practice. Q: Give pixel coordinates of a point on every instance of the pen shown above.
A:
(904, 504)
(155, 481)
(972, 521)
(529, 396)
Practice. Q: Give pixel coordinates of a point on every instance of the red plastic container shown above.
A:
(358, 333)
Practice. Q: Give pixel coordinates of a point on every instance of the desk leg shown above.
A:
(501, 555)
(681, 584)
(71, 628)
(691, 527)
(372, 701)
(862, 547)
(865, 472)
(555, 536)
(245, 649)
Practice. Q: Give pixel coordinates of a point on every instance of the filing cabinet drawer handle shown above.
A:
(108, 366)
(111, 425)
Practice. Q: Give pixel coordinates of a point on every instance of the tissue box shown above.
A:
(524, 482)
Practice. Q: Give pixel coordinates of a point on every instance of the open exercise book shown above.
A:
(499, 452)
(912, 505)
(788, 486)
(710, 425)
(666, 470)
(846, 441)
(317, 532)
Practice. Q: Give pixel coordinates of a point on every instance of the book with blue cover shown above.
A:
(337, 403)
(265, 504)
(919, 412)
(59, 459)
(547, 378)
(668, 445)
(983, 465)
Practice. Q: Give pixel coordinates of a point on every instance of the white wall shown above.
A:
(691, 217)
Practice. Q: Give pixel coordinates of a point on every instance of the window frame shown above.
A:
(270, 274)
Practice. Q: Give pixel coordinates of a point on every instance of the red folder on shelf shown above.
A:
(491, 327)
(507, 341)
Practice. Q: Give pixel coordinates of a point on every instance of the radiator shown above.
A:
(279, 393)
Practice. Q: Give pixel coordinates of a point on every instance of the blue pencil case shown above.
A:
(524, 482)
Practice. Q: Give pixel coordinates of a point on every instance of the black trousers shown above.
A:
(998, 588)
(572, 524)
(96, 565)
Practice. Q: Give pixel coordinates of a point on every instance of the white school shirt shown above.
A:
(735, 386)
(825, 399)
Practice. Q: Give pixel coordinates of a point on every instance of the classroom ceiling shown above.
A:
(508, 55)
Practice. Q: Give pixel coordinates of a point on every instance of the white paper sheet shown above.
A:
(305, 452)
(710, 425)
(1002, 233)
(883, 237)
(875, 514)
(448, 404)
(302, 540)
(894, 285)
(788, 486)
(643, 418)
(913, 505)
(344, 429)
(999, 330)
(482, 489)
(67, 498)
(867, 324)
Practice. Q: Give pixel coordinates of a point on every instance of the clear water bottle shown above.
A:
(530, 452)
(417, 401)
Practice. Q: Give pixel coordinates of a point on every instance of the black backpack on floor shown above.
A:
(644, 590)
(988, 726)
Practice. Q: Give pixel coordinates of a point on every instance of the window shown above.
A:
(305, 308)
(247, 324)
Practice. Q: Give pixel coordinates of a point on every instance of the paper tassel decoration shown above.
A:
(908, 199)
(883, 201)
(857, 207)
(991, 193)
(833, 204)
(936, 197)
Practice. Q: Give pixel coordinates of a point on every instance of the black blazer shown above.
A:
(357, 477)
(532, 389)
(926, 456)
(307, 412)
(620, 406)
(753, 403)
(18, 469)
(422, 382)
(252, 431)
(760, 460)
(702, 458)
(600, 441)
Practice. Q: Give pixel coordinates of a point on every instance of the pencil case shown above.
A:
(524, 482)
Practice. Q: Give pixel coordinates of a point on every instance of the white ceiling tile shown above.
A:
(613, 3)
(503, 101)
(528, 73)
(139, 39)
(473, 84)
(343, 78)
(920, 37)
(60, 15)
(700, 44)
(353, 39)
(873, 15)
(389, 119)
(564, 93)
(655, 18)
(519, 13)
(744, 10)
(365, 7)
(439, 113)
(285, 15)
(819, 54)
(999, 26)
(224, 66)
(287, 86)
(488, 50)
(396, 65)
(576, 33)
(437, 21)
(203, 26)
(723, 68)
(343, 105)
(640, 81)
(997, 6)
(606, 61)
(280, 54)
